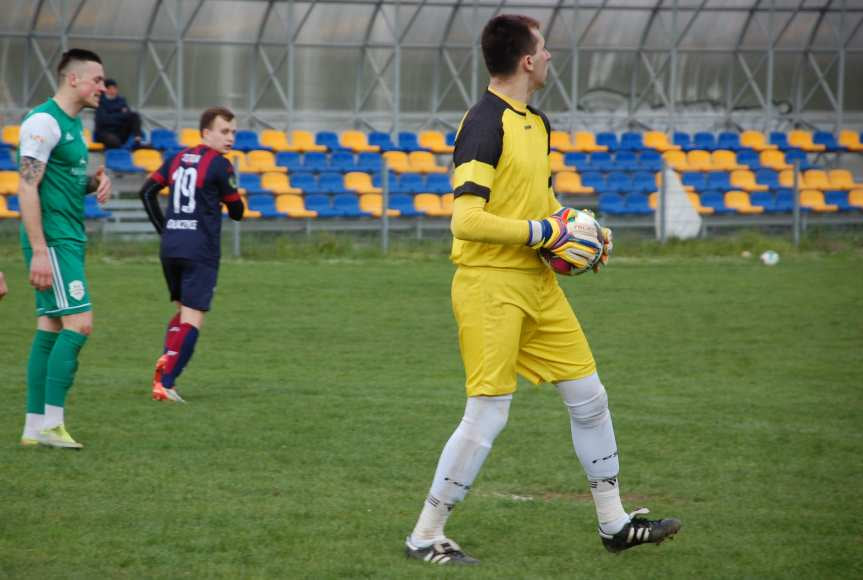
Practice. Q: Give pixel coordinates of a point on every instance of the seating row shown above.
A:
(10, 208)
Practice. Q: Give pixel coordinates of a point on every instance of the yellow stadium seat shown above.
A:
(786, 179)
(5, 212)
(850, 140)
(756, 140)
(12, 135)
(555, 159)
(397, 161)
(293, 205)
(803, 140)
(239, 161)
(148, 159)
(816, 179)
(304, 141)
(739, 201)
(585, 141)
(357, 142)
(278, 183)
(560, 141)
(569, 182)
(653, 200)
(424, 162)
(773, 160)
(446, 201)
(699, 160)
(855, 198)
(659, 141)
(263, 162)
(92, 145)
(429, 204)
(676, 160)
(435, 141)
(373, 203)
(9, 181)
(842, 179)
(696, 203)
(276, 140)
(814, 200)
(745, 180)
(189, 137)
(725, 160)
(360, 182)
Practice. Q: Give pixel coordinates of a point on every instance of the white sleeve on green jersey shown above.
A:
(40, 133)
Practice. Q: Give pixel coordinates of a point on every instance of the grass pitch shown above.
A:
(321, 394)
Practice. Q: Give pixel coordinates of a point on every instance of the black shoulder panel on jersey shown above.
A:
(545, 122)
(480, 137)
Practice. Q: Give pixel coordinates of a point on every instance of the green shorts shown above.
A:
(69, 293)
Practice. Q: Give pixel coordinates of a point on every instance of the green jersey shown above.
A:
(49, 135)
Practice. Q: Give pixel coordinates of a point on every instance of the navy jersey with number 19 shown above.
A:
(199, 180)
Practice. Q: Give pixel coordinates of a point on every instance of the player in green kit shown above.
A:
(52, 161)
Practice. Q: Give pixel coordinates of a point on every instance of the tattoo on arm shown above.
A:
(92, 184)
(31, 170)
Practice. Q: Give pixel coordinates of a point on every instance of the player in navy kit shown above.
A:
(199, 180)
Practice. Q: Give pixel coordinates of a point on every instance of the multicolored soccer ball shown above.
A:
(581, 224)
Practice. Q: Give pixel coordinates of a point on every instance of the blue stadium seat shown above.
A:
(626, 160)
(601, 162)
(719, 180)
(644, 182)
(392, 181)
(650, 160)
(438, 183)
(612, 204)
(305, 182)
(729, 140)
(342, 161)
(331, 182)
(704, 140)
(749, 158)
(248, 141)
(369, 162)
(92, 210)
(828, 140)
(695, 179)
(408, 141)
(618, 182)
(450, 138)
(631, 141)
(799, 156)
(593, 179)
(768, 177)
(12, 203)
(636, 203)
(716, 200)
(315, 162)
(264, 203)
(131, 144)
(411, 183)
(784, 201)
(780, 139)
(609, 140)
(322, 204)
(348, 205)
(682, 140)
(251, 182)
(763, 199)
(579, 160)
(291, 160)
(382, 140)
(120, 160)
(164, 139)
(7, 163)
(405, 205)
(330, 140)
(838, 198)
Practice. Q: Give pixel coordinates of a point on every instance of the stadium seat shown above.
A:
(799, 158)
(784, 200)
(842, 179)
(608, 140)
(304, 142)
(556, 162)
(653, 200)
(644, 182)
(11, 135)
(360, 182)
(695, 180)
(638, 204)
(164, 139)
(305, 182)
(424, 162)
(650, 160)
(716, 202)
(290, 160)
(434, 141)
(569, 183)
(744, 179)
(719, 181)
(739, 201)
(12, 203)
(5, 212)
(579, 160)
(837, 198)
(814, 200)
(397, 161)
(247, 213)
(331, 182)
(828, 140)
(659, 141)
(763, 199)
(593, 180)
(699, 160)
(612, 204)
(704, 141)
(190, 137)
(676, 160)
(450, 138)
(369, 162)
(92, 145)
(626, 160)
(263, 162)
(682, 140)
(404, 204)
(780, 140)
(850, 140)
(277, 141)
(348, 205)
(92, 209)
(786, 179)
(855, 198)
(724, 160)
(322, 204)
(342, 161)
(408, 142)
(603, 162)
(749, 158)
(373, 203)
(250, 184)
(247, 141)
(382, 140)
(803, 140)
(585, 142)
(773, 160)
(756, 140)
(147, 159)
(293, 206)
(631, 141)
(618, 181)
(695, 200)
(238, 160)
(265, 204)
(120, 160)
(446, 202)
(560, 141)
(438, 183)
(357, 142)
(315, 162)
(767, 177)
(412, 183)
(729, 141)
(330, 140)
(7, 163)
(429, 204)
(278, 183)
(392, 182)
(817, 179)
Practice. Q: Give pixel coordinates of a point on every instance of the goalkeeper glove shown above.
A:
(607, 248)
(553, 234)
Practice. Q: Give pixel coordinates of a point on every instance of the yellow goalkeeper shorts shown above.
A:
(516, 322)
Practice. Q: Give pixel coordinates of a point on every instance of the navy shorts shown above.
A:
(190, 283)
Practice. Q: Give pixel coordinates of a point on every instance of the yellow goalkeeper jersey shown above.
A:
(502, 155)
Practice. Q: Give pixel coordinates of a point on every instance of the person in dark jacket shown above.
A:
(115, 122)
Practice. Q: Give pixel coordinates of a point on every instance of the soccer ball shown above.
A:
(581, 225)
(769, 258)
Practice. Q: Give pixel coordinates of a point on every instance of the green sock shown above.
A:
(37, 369)
(62, 365)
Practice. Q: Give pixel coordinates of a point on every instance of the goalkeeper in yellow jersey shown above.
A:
(512, 316)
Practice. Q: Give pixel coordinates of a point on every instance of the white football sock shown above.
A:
(459, 464)
(53, 417)
(595, 446)
(32, 425)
